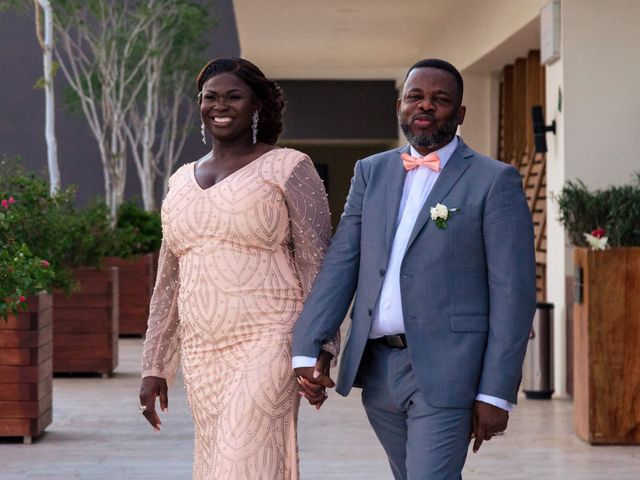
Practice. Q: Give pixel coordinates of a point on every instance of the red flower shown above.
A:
(11, 200)
(22, 298)
(5, 204)
(44, 263)
(599, 232)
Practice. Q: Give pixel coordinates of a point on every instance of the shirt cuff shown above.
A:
(300, 362)
(495, 401)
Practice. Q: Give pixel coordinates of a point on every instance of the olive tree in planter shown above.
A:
(604, 226)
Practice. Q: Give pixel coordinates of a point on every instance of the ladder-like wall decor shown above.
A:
(521, 87)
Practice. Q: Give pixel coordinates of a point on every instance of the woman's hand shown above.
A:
(151, 388)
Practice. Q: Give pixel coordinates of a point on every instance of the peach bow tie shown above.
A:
(431, 161)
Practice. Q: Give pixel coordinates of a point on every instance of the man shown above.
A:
(439, 253)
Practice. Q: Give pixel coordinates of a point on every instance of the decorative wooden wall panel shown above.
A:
(522, 87)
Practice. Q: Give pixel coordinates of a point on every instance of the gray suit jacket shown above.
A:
(468, 291)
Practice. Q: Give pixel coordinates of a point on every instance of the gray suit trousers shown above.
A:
(422, 442)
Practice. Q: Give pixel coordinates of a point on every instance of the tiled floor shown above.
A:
(98, 434)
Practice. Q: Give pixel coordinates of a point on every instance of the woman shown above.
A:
(244, 231)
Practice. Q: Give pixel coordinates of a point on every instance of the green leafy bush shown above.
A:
(21, 274)
(51, 227)
(137, 232)
(43, 237)
(615, 210)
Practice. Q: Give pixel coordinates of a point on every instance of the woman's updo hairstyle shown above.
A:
(267, 93)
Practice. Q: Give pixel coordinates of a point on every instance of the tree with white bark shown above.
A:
(96, 44)
(126, 62)
(159, 123)
(46, 42)
(44, 21)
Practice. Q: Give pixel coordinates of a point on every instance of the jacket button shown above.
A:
(370, 312)
(382, 271)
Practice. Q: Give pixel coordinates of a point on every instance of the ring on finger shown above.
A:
(142, 408)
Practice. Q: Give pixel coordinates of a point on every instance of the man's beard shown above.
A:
(443, 135)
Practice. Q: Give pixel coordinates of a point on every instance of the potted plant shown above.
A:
(47, 224)
(86, 322)
(604, 226)
(26, 335)
(73, 241)
(136, 241)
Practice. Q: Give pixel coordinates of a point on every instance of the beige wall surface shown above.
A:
(373, 39)
(481, 97)
(480, 26)
(598, 127)
(601, 74)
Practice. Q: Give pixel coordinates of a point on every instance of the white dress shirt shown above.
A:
(388, 317)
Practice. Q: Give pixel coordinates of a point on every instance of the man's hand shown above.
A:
(151, 388)
(314, 380)
(487, 420)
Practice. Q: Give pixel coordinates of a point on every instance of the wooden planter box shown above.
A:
(136, 279)
(86, 324)
(26, 349)
(606, 318)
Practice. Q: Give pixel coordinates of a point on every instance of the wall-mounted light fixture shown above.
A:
(540, 129)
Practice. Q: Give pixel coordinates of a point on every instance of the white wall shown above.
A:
(557, 255)
(599, 126)
(601, 57)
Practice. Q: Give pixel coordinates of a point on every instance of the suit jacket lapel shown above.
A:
(455, 167)
(396, 175)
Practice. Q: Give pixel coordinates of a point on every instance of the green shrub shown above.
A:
(43, 237)
(21, 274)
(137, 232)
(615, 209)
(51, 227)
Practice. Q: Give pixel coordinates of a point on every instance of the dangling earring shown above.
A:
(254, 126)
(204, 138)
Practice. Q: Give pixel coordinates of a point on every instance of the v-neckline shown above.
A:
(195, 180)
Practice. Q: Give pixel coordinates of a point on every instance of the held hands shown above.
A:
(487, 421)
(151, 388)
(314, 380)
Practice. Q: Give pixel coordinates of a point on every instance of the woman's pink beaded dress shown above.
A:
(236, 263)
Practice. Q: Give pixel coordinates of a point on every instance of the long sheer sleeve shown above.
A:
(310, 229)
(161, 351)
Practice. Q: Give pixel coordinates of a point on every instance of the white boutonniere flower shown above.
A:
(597, 239)
(440, 214)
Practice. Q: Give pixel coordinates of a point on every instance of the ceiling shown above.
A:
(374, 39)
